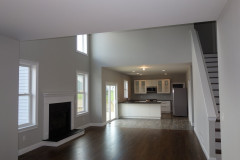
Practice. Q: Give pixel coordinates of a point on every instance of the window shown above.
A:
(125, 89)
(82, 93)
(82, 45)
(27, 94)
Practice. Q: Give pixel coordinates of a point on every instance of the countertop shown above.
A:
(142, 102)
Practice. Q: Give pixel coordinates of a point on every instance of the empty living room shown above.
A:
(119, 80)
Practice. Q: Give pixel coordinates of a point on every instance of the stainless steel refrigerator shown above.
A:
(180, 102)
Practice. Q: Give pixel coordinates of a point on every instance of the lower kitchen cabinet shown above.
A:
(166, 106)
(139, 110)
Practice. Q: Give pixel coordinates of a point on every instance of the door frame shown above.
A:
(116, 102)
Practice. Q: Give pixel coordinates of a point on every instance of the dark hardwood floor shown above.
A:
(119, 143)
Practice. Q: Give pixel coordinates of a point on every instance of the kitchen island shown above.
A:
(140, 109)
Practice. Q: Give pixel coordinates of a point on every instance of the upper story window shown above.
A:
(125, 89)
(82, 44)
(82, 93)
(27, 94)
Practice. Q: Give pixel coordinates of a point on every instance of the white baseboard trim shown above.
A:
(30, 148)
(56, 144)
(201, 143)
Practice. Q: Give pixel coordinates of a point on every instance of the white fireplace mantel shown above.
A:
(56, 97)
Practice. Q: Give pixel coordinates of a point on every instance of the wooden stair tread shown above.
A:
(218, 151)
(217, 129)
(217, 140)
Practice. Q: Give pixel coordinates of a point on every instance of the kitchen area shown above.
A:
(151, 92)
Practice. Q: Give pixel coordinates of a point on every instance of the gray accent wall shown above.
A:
(174, 78)
(9, 51)
(229, 78)
(58, 64)
(164, 45)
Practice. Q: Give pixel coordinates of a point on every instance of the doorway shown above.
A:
(111, 102)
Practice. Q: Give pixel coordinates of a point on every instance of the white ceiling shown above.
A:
(40, 19)
(152, 69)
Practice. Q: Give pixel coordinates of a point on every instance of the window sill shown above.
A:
(85, 54)
(82, 114)
(27, 128)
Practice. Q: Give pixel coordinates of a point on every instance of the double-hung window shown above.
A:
(82, 44)
(125, 89)
(27, 94)
(82, 93)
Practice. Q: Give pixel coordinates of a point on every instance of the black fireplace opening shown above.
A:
(60, 122)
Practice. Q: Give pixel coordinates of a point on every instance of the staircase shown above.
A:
(211, 63)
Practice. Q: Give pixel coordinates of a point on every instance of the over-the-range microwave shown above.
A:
(151, 89)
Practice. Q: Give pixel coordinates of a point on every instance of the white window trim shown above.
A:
(34, 90)
(86, 97)
(83, 53)
(125, 89)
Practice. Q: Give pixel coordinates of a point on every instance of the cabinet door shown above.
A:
(166, 85)
(136, 86)
(159, 86)
(143, 86)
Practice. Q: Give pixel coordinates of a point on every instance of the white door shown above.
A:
(111, 101)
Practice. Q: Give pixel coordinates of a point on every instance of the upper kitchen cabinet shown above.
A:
(163, 86)
(151, 83)
(140, 87)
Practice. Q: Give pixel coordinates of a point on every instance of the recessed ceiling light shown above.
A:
(137, 73)
(163, 70)
(143, 69)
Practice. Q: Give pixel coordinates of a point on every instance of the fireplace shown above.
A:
(60, 101)
(59, 120)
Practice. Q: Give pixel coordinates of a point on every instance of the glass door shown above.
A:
(111, 92)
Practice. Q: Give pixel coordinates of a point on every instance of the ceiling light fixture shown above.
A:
(163, 70)
(137, 73)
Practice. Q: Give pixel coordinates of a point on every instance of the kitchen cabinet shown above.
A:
(140, 87)
(151, 83)
(166, 106)
(163, 86)
(139, 110)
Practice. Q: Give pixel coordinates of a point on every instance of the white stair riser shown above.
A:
(215, 86)
(217, 125)
(214, 80)
(217, 135)
(210, 55)
(211, 64)
(213, 74)
(211, 59)
(217, 100)
(212, 69)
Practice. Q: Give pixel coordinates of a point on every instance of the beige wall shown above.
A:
(110, 76)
